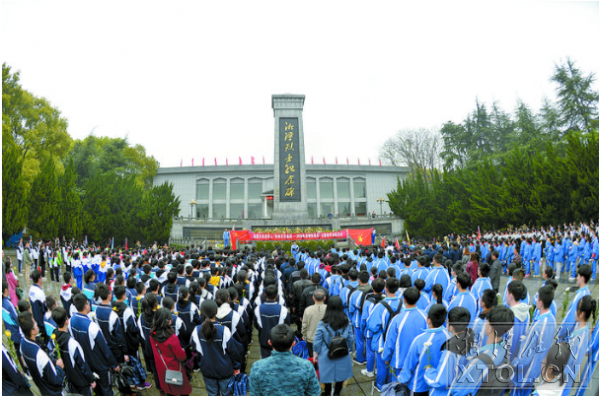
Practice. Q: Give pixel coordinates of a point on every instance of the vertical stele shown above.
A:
(289, 195)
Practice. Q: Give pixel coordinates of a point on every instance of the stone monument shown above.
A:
(289, 195)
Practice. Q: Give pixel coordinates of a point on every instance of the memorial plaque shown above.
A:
(289, 160)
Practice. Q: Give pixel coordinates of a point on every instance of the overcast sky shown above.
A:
(195, 79)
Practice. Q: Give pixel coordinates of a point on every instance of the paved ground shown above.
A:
(359, 384)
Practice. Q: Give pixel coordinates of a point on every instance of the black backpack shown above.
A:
(498, 377)
(392, 314)
(338, 348)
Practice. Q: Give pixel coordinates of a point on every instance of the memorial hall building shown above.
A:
(259, 196)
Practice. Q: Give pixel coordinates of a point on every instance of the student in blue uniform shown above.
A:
(553, 307)
(579, 341)
(10, 319)
(437, 276)
(408, 324)
(425, 350)
(369, 305)
(93, 343)
(452, 290)
(464, 298)
(47, 376)
(481, 283)
(356, 305)
(535, 346)
(268, 315)
(377, 324)
(454, 353)
(487, 301)
(13, 380)
(77, 370)
(583, 276)
(220, 354)
(516, 289)
(189, 313)
(437, 297)
(127, 322)
(422, 271)
(424, 300)
(500, 320)
(593, 353)
(37, 299)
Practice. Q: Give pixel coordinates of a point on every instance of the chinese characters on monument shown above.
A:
(289, 160)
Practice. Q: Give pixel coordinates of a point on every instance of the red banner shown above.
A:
(360, 237)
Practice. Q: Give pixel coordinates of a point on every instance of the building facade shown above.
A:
(245, 192)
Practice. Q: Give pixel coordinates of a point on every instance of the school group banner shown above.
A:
(360, 237)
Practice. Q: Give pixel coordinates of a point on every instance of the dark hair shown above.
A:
(405, 281)
(271, 292)
(59, 315)
(282, 338)
(439, 292)
(549, 271)
(50, 302)
(334, 314)
(419, 284)
(119, 291)
(168, 303)
(437, 314)
(23, 305)
(584, 270)
(140, 287)
(80, 301)
(89, 275)
(464, 280)
(36, 275)
(161, 330)
(516, 288)
(148, 303)
(587, 305)
(411, 295)
(316, 278)
(484, 269)
(26, 323)
(488, 297)
(459, 318)
(184, 292)
(221, 297)
(109, 273)
(102, 291)
(546, 295)
(208, 330)
(67, 277)
(501, 318)
(552, 282)
(363, 277)
(392, 284)
(378, 285)
(154, 285)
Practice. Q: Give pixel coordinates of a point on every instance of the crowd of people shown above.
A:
(426, 317)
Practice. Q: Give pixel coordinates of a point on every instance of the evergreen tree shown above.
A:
(159, 206)
(44, 202)
(14, 202)
(70, 209)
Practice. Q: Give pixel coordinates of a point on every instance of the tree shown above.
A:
(14, 200)
(37, 127)
(159, 206)
(419, 149)
(44, 201)
(70, 221)
(577, 98)
(96, 209)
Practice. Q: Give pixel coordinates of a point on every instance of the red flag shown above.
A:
(233, 238)
(215, 161)
(359, 161)
(336, 161)
(263, 159)
(324, 161)
(361, 237)
(192, 162)
(312, 160)
(397, 244)
(369, 161)
(226, 161)
(202, 161)
(181, 163)
(125, 243)
(240, 160)
(478, 233)
(347, 161)
(252, 160)
(383, 243)
(380, 162)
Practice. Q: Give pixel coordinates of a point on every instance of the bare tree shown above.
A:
(418, 149)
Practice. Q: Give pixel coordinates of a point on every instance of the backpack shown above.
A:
(392, 314)
(338, 348)
(498, 377)
(371, 296)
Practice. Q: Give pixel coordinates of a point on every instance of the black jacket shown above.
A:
(306, 299)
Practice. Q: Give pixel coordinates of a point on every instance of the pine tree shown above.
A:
(44, 201)
(70, 221)
(14, 202)
(159, 206)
